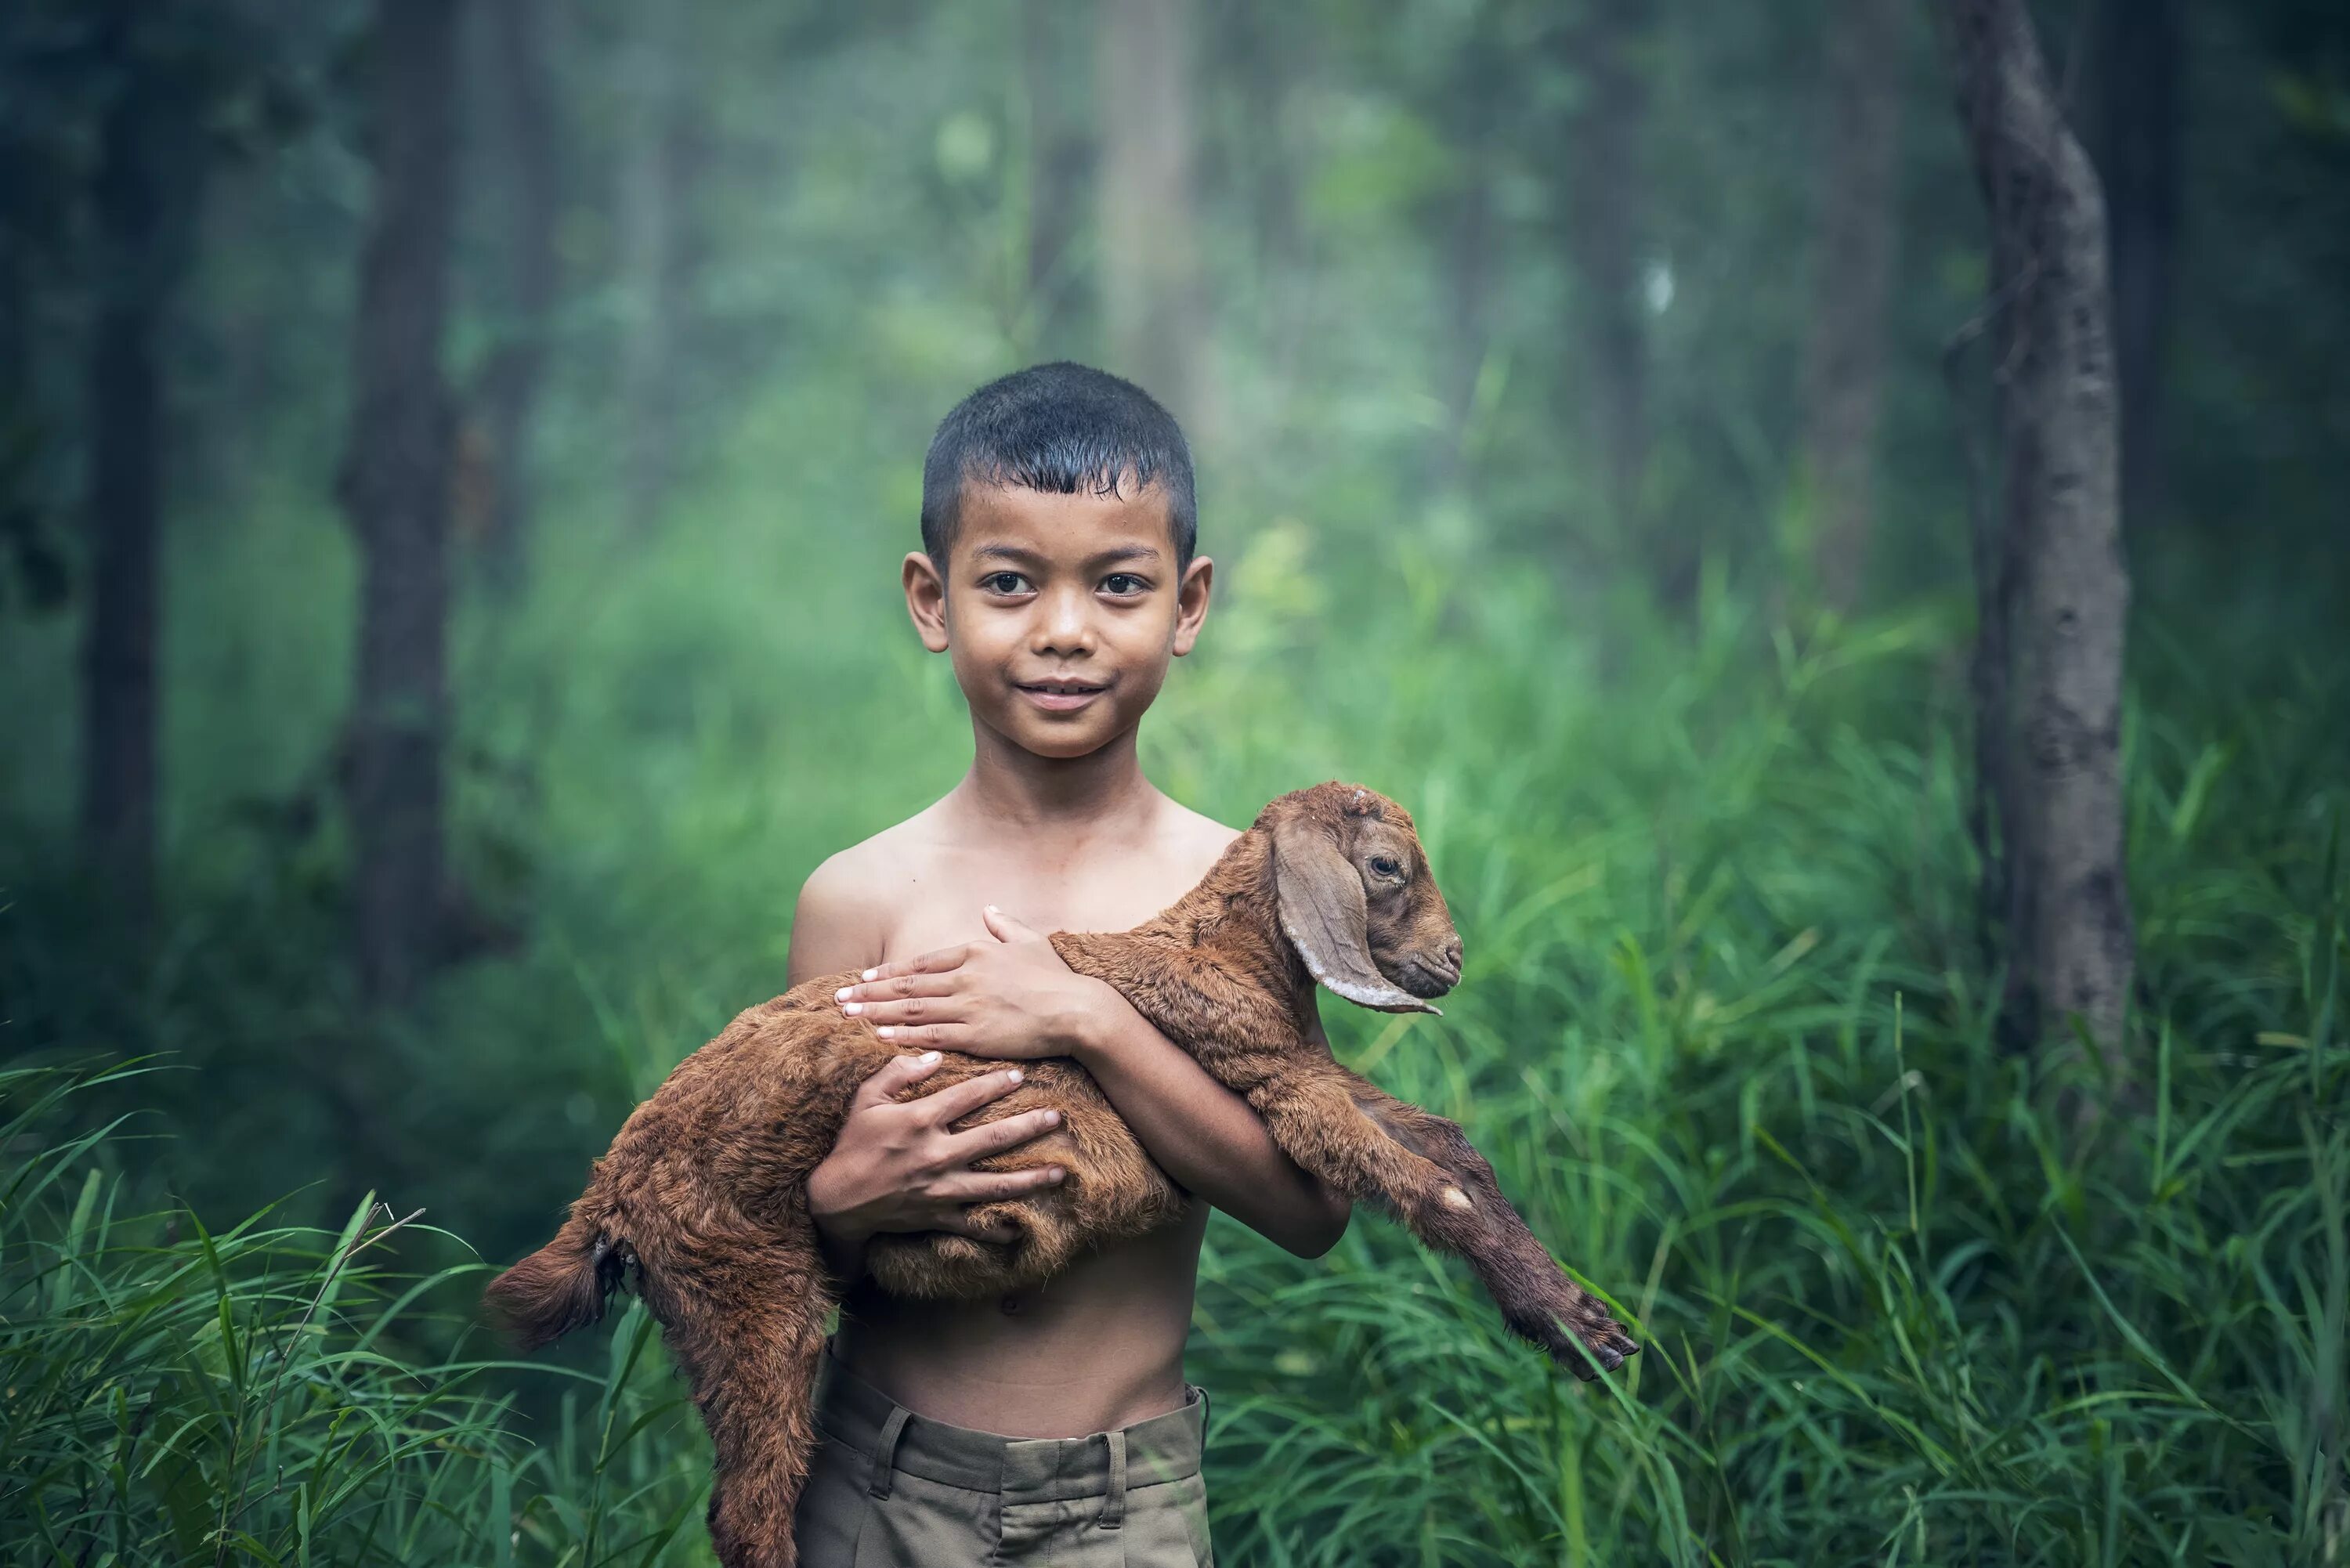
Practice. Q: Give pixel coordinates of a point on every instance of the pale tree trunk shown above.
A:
(2056, 594)
(510, 381)
(395, 486)
(1268, 53)
(1470, 239)
(1605, 240)
(654, 176)
(1060, 160)
(1844, 363)
(2139, 61)
(1152, 297)
(145, 209)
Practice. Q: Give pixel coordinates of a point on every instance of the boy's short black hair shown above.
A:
(1053, 428)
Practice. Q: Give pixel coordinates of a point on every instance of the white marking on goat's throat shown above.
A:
(1457, 1199)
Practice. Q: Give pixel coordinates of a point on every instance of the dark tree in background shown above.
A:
(2051, 589)
(147, 177)
(1844, 361)
(395, 486)
(2138, 137)
(1152, 293)
(508, 391)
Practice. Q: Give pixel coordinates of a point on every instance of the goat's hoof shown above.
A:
(1593, 1340)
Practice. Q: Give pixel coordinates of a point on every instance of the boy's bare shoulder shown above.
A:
(846, 907)
(1195, 839)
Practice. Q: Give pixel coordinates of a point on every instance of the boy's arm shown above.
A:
(1206, 1137)
(1013, 998)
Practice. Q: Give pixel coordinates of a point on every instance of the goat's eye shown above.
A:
(1386, 866)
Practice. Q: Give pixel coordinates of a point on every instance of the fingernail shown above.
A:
(927, 1057)
(852, 1008)
(868, 974)
(1052, 1118)
(887, 1032)
(1055, 1174)
(994, 910)
(1013, 1075)
(844, 993)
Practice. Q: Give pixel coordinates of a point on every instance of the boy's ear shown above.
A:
(1192, 602)
(926, 599)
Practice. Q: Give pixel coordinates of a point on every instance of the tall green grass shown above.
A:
(1726, 1031)
(254, 1395)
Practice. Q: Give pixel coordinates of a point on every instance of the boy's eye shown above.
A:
(1003, 582)
(1124, 584)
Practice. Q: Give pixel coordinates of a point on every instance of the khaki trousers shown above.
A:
(893, 1489)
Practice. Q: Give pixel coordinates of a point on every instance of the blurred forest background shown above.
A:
(454, 457)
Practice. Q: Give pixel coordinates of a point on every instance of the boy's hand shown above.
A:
(1012, 997)
(899, 1168)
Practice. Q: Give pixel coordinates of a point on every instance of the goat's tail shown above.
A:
(563, 1285)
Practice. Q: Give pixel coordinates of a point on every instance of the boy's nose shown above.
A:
(1064, 625)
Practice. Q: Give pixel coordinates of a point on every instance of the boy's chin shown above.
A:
(1061, 743)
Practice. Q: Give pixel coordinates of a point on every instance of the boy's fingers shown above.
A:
(987, 1186)
(946, 1036)
(995, 1137)
(904, 985)
(1008, 928)
(912, 1009)
(958, 1100)
(938, 963)
(895, 1075)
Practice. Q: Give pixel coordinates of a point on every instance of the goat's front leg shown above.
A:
(1423, 1170)
(1535, 1294)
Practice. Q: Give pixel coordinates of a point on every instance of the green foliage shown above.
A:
(254, 1396)
(1724, 1032)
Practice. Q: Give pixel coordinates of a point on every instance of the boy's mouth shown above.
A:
(1061, 696)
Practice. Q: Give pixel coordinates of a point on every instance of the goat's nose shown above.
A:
(1453, 954)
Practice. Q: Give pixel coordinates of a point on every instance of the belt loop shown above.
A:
(1113, 1513)
(885, 1452)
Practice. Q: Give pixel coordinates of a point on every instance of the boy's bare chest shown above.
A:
(936, 902)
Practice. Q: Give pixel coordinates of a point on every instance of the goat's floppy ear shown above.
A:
(1320, 898)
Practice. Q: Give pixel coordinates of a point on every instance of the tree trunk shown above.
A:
(655, 175)
(1151, 292)
(1470, 244)
(1843, 369)
(395, 486)
(1604, 241)
(2138, 56)
(145, 207)
(1060, 163)
(518, 49)
(2056, 593)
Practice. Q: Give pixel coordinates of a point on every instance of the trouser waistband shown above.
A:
(1022, 1469)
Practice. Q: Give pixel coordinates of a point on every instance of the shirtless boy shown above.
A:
(1054, 1425)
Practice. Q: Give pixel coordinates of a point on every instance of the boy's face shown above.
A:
(1060, 611)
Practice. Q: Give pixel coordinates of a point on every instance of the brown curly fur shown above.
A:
(704, 1189)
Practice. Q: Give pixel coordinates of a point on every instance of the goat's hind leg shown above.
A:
(752, 1363)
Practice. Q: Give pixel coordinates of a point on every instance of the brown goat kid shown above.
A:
(704, 1189)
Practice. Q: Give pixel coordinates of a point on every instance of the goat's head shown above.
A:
(1356, 900)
